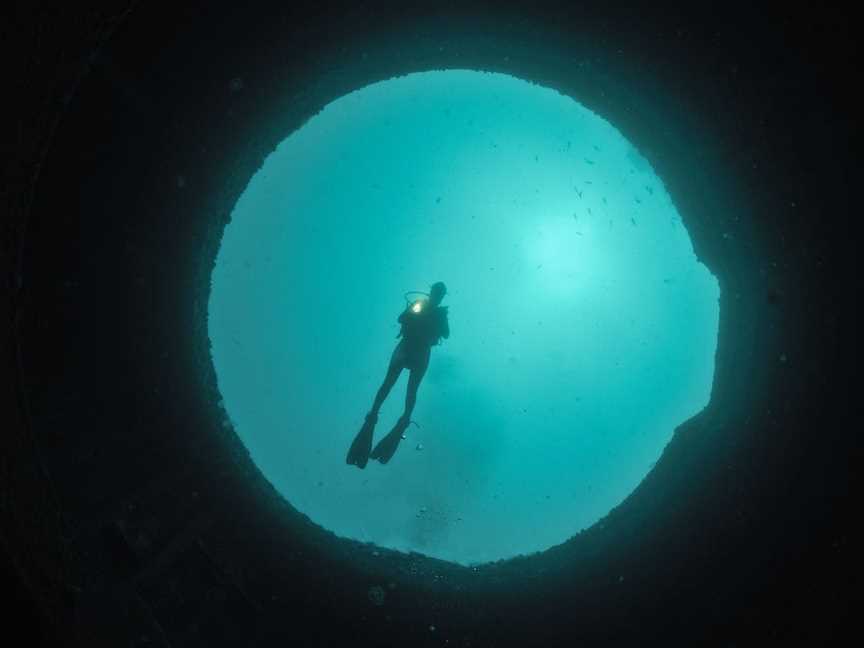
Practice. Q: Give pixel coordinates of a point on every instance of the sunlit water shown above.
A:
(583, 328)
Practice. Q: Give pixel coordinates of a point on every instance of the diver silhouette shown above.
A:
(424, 323)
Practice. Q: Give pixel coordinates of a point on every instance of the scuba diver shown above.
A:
(424, 323)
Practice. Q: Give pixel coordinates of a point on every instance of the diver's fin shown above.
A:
(358, 453)
(386, 447)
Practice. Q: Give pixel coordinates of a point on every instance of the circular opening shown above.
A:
(582, 326)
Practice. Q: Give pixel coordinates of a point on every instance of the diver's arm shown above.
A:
(401, 320)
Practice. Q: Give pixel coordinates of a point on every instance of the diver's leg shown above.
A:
(393, 371)
(418, 370)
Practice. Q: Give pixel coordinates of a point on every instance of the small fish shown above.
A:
(589, 161)
(650, 190)
(604, 200)
(633, 220)
(638, 201)
(589, 211)
(579, 233)
(596, 148)
(588, 182)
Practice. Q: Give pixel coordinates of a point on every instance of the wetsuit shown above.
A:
(420, 331)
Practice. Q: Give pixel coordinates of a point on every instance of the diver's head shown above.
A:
(436, 294)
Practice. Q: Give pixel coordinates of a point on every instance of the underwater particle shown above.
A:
(578, 193)
(403, 437)
(783, 357)
(650, 189)
(587, 161)
(236, 84)
(377, 595)
(181, 181)
(420, 447)
(431, 628)
(638, 201)
(438, 199)
(633, 220)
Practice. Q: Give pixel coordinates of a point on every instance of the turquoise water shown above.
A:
(583, 328)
